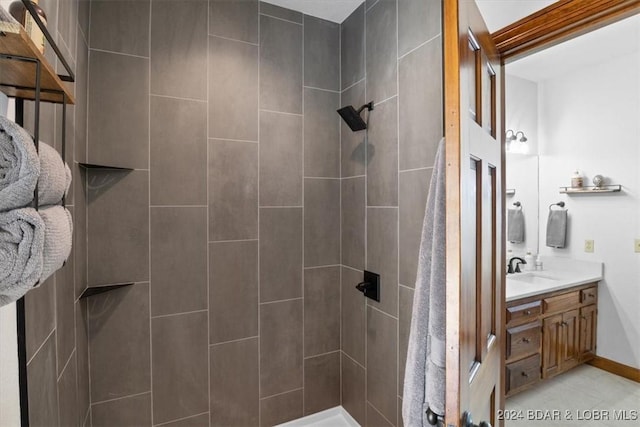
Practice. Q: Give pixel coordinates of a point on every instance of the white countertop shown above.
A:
(557, 273)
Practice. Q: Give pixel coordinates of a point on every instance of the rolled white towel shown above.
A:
(55, 176)
(22, 238)
(19, 166)
(58, 231)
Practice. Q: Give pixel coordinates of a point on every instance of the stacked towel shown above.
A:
(424, 380)
(22, 235)
(557, 228)
(55, 176)
(58, 231)
(19, 166)
(515, 226)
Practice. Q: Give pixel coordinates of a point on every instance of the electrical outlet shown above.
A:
(588, 246)
(636, 246)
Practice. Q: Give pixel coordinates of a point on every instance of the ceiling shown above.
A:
(331, 10)
(498, 14)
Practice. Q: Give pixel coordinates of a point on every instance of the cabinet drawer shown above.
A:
(523, 372)
(523, 313)
(523, 340)
(588, 296)
(561, 302)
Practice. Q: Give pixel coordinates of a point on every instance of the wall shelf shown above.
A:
(96, 290)
(103, 167)
(591, 190)
(18, 59)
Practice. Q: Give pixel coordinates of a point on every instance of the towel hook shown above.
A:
(560, 204)
(517, 204)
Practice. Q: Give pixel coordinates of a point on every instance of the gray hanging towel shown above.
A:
(424, 379)
(557, 228)
(515, 225)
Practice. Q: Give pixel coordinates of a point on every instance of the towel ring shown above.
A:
(560, 204)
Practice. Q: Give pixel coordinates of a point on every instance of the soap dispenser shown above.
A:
(530, 261)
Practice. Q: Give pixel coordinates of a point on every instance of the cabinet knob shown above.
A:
(583, 317)
(564, 323)
(524, 374)
(526, 340)
(527, 312)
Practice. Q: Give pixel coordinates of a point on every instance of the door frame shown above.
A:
(558, 22)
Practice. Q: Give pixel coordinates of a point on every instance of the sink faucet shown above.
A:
(519, 261)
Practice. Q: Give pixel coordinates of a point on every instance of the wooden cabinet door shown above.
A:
(570, 340)
(587, 337)
(551, 345)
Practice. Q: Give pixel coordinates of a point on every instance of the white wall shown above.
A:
(521, 99)
(589, 120)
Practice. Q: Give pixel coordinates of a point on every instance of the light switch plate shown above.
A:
(588, 246)
(636, 246)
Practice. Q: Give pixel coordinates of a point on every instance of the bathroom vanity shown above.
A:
(551, 320)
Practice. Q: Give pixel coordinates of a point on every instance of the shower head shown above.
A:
(352, 116)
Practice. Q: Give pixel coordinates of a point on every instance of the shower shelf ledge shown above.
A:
(591, 190)
(96, 290)
(103, 167)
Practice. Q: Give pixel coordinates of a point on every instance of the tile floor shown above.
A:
(584, 396)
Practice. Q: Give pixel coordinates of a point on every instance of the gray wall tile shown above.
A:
(65, 311)
(280, 12)
(120, 26)
(280, 347)
(178, 152)
(67, 24)
(233, 89)
(67, 397)
(119, 343)
(179, 48)
(234, 383)
(353, 316)
(353, 222)
(404, 326)
(197, 421)
(178, 260)
(321, 222)
(375, 418)
(280, 159)
(118, 227)
(353, 389)
(321, 310)
(180, 365)
(40, 315)
(237, 20)
(80, 145)
(130, 411)
(281, 408)
(382, 345)
(321, 53)
(420, 102)
(280, 65)
(382, 151)
(43, 398)
(280, 253)
(414, 188)
(82, 359)
(353, 146)
(233, 290)
(418, 21)
(119, 110)
(80, 228)
(322, 382)
(83, 16)
(382, 51)
(352, 48)
(321, 133)
(382, 255)
(233, 190)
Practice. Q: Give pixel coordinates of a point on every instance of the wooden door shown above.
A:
(570, 340)
(475, 206)
(551, 345)
(587, 332)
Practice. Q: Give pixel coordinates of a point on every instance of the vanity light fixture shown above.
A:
(511, 137)
(522, 138)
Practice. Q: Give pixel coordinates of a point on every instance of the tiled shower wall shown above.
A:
(228, 224)
(56, 339)
(391, 54)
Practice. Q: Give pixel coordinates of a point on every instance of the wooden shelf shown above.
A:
(96, 290)
(591, 190)
(18, 78)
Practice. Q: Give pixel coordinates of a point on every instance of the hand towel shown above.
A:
(19, 166)
(424, 380)
(515, 225)
(21, 245)
(55, 176)
(557, 228)
(58, 231)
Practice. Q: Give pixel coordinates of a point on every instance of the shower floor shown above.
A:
(334, 417)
